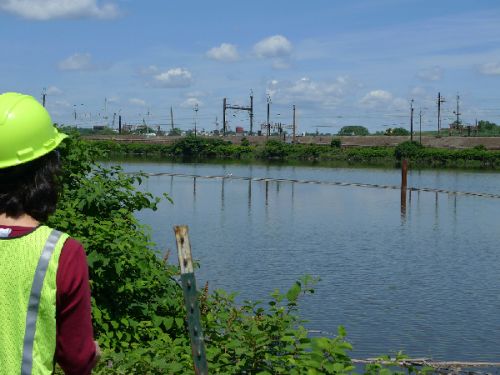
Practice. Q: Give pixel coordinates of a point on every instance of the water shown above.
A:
(422, 278)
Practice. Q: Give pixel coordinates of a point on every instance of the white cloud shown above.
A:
(490, 68)
(434, 73)
(77, 61)
(382, 99)
(375, 98)
(137, 101)
(53, 90)
(272, 47)
(225, 52)
(308, 91)
(191, 102)
(44, 10)
(176, 77)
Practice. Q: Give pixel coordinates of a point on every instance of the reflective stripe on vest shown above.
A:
(34, 301)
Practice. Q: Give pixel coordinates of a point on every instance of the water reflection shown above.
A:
(249, 196)
(267, 193)
(403, 205)
(222, 194)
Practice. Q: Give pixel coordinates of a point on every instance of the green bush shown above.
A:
(397, 131)
(274, 149)
(336, 143)
(408, 149)
(353, 130)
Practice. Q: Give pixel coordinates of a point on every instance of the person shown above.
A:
(45, 308)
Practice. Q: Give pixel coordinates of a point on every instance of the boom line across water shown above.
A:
(332, 183)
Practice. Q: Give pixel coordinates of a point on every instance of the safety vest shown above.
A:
(28, 269)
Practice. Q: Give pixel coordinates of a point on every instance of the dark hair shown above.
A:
(30, 188)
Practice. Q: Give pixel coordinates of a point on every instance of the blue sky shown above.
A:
(339, 62)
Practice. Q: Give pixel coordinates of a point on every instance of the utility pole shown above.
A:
(195, 117)
(171, 119)
(420, 125)
(119, 124)
(251, 112)
(440, 100)
(268, 111)
(293, 125)
(457, 112)
(411, 120)
(224, 105)
(44, 95)
(106, 111)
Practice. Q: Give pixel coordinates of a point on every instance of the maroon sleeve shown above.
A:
(75, 348)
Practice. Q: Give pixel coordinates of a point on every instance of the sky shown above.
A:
(357, 62)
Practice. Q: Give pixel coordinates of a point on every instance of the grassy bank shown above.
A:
(205, 149)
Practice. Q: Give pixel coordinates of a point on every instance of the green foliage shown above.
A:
(353, 130)
(408, 149)
(201, 148)
(487, 126)
(397, 131)
(191, 147)
(245, 142)
(129, 284)
(275, 149)
(336, 143)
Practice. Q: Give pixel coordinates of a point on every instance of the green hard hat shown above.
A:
(26, 130)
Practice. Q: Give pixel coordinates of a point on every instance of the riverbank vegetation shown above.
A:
(137, 303)
(198, 148)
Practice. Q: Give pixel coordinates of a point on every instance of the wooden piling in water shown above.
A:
(404, 173)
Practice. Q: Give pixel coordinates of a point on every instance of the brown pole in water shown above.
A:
(404, 173)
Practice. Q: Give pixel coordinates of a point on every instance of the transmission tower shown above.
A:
(226, 106)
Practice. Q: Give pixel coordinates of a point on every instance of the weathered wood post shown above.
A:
(191, 300)
(404, 173)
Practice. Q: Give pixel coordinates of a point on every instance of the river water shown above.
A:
(422, 277)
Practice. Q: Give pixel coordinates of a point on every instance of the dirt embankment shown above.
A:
(491, 143)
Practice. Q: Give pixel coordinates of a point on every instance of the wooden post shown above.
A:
(191, 300)
(404, 173)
